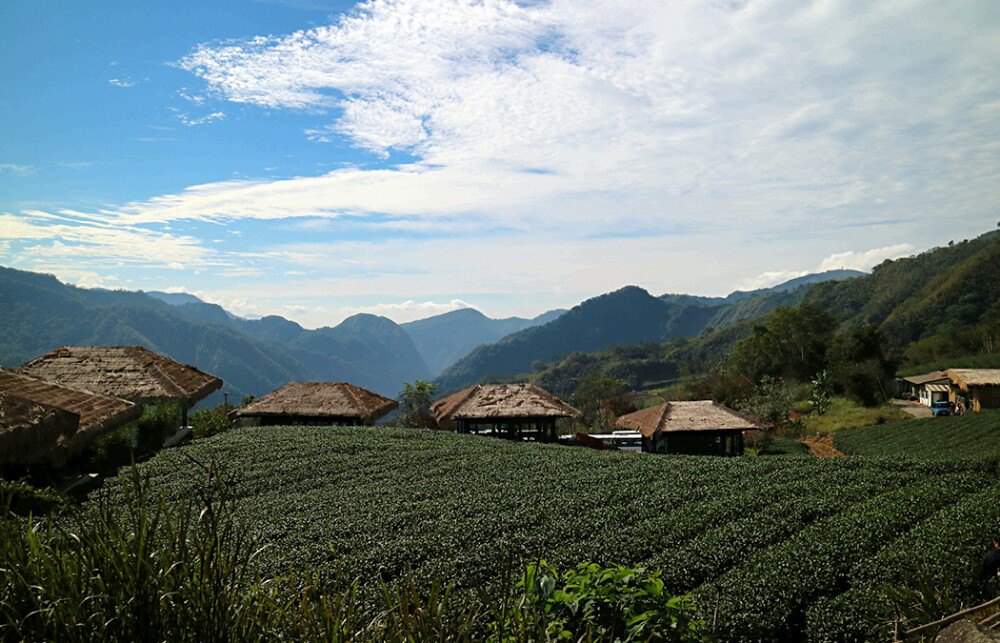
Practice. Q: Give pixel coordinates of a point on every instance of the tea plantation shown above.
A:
(772, 548)
(973, 435)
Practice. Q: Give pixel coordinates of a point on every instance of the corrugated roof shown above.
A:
(519, 400)
(937, 388)
(98, 413)
(129, 372)
(917, 380)
(975, 376)
(30, 430)
(321, 399)
(701, 415)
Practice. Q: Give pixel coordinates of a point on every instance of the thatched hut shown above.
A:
(27, 431)
(695, 428)
(514, 411)
(980, 386)
(316, 403)
(128, 372)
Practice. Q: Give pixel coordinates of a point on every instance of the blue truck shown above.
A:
(941, 407)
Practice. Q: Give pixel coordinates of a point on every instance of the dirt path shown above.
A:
(914, 409)
(821, 446)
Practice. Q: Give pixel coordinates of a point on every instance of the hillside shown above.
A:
(975, 436)
(835, 530)
(38, 313)
(444, 339)
(627, 316)
(939, 304)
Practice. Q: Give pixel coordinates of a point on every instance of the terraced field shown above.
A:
(772, 548)
(973, 435)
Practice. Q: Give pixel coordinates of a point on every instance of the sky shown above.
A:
(316, 158)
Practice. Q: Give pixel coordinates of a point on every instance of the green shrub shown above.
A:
(134, 440)
(591, 602)
(207, 422)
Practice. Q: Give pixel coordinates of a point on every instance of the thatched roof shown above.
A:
(966, 377)
(98, 413)
(701, 415)
(30, 430)
(321, 399)
(917, 380)
(129, 372)
(489, 401)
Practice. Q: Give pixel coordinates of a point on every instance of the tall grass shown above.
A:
(145, 570)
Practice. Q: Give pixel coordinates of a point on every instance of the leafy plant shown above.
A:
(208, 422)
(819, 393)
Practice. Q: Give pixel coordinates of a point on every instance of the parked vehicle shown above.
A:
(941, 407)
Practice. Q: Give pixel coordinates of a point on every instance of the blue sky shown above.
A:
(316, 159)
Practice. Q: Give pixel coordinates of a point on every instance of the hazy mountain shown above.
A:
(38, 314)
(174, 298)
(444, 339)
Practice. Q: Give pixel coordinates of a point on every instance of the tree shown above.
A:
(859, 364)
(600, 397)
(790, 343)
(769, 403)
(415, 404)
(819, 393)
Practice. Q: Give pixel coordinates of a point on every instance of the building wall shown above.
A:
(697, 443)
(985, 397)
(297, 420)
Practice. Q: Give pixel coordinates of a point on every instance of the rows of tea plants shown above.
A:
(766, 544)
(973, 435)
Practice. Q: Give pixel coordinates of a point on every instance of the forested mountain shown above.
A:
(627, 316)
(444, 339)
(940, 308)
(38, 314)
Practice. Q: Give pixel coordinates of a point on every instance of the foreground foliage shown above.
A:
(146, 570)
(973, 435)
(764, 544)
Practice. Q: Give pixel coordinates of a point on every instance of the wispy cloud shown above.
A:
(16, 169)
(863, 260)
(122, 82)
(200, 120)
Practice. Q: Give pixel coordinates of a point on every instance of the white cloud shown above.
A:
(16, 169)
(863, 260)
(201, 120)
(410, 310)
(122, 82)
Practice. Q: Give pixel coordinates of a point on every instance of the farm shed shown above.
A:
(129, 372)
(930, 387)
(316, 403)
(29, 431)
(513, 411)
(694, 428)
(980, 386)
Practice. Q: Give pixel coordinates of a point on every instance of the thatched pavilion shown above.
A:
(514, 411)
(129, 372)
(316, 403)
(46, 421)
(694, 428)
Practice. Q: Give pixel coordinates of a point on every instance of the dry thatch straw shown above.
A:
(966, 377)
(129, 372)
(321, 400)
(29, 430)
(97, 413)
(498, 401)
(701, 415)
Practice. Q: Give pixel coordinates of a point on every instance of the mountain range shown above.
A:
(39, 313)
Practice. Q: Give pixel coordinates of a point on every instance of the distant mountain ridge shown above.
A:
(627, 316)
(444, 339)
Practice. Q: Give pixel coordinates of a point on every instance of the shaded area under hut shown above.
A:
(316, 403)
(47, 422)
(128, 372)
(513, 411)
(693, 428)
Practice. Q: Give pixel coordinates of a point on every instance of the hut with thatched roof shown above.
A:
(127, 372)
(980, 386)
(694, 428)
(513, 411)
(316, 403)
(51, 422)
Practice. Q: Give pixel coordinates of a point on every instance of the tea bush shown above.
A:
(972, 435)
